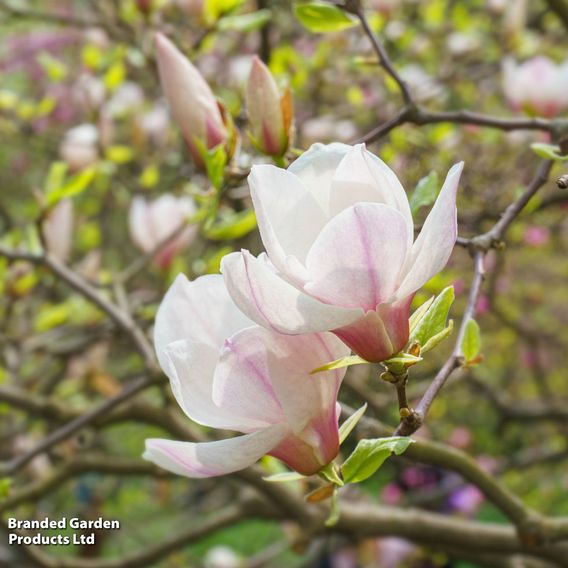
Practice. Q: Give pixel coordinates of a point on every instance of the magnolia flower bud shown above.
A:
(192, 103)
(228, 373)
(79, 148)
(269, 113)
(341, 254)
(151, 224)
(57, 230)
(537, 86)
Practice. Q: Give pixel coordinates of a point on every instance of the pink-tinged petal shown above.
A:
(201, 311)
(379, 335)
(57, 230)
(316, 169)
(267, 373)
(192, 103)
(242, 381)
(264, 110)
(363, 177)
(210, 459)
(434, 245)
(357, 257)
(272, 302)
(138, 224)
(190, 366)
(312, 449)
(289, 218)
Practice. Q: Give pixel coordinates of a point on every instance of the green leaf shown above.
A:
(548, 152)
(235, 226)
(320, 17)
(214, 9)
(55, 177)
(285, 477)
(347, 427)
(340, 363)
(5, 484)
(75, 185)
(329, 473)
(433, 321)
(471, 342)
(50, 316)
(119, 154)
(215, 161)
(369, 455)
(419, 313)
(245, 22)
(439, 337)
(403, 359)
(334, 512)
(426, 191)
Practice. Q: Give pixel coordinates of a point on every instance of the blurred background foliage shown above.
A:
(69, 63)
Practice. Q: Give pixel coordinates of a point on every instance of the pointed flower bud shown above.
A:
(57, 230)
(192, 103)
(269, 112)
(230, 374)
(537, 86)
(151, 224)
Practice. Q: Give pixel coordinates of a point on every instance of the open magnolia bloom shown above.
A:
(538, 86)
(228, 373)
(341, 254)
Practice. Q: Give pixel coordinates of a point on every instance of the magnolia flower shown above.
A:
(79, 148)
(341, 257)
(152, 223)
(228, 373)
(193, 105)
(537, 86)
(57, 230)
(269, 113)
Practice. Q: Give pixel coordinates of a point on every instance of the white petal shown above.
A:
(242, 382)
(357, 258)
(316, 168)
(139, 224)
(363, 177)
(436, 240)
(273, 370)
(210, 459)
(272, 302)
(289, 218)
(191, 367)
(201, 311)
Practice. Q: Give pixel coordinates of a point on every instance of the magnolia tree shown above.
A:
(230, 272)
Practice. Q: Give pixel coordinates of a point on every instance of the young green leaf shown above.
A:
(320, 17)
(284, 477)
(369, 455)
(548, 152)
(471, 342)
(434, 320)
(245, 22)
(233, 227)
(329, 473)
(334, 512)
(77, 184)
(426, 191)
(340, 363)
(439, 337)
(347, 427)
(418, 313)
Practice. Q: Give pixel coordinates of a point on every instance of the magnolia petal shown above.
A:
(272, 302)
(138, 224)
(316, 168)
(289, 218)
(434, 245)
(201, 311)
(210, 459)
(242, 381)
(191, 100)
(357, 257)
(273, 371)
(363, 177)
